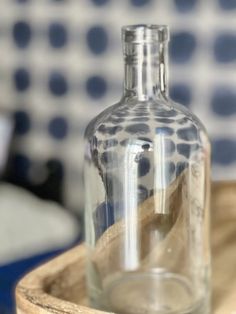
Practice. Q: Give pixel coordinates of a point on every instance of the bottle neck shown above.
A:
(145, 70)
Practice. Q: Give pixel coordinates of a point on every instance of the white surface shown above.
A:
(30, 226)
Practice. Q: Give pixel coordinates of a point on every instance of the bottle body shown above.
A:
(147, 208)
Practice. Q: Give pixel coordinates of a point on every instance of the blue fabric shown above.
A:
(11, 273)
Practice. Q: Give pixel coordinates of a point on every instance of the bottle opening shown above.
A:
(141, 33)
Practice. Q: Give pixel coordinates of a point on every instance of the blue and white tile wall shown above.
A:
(61, 64)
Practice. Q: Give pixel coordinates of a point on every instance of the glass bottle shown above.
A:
(147, 170)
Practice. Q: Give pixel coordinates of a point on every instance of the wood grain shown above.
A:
(59, 285)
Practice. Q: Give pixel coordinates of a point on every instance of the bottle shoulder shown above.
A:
(132, 118)
(98, 120)
(193, 118)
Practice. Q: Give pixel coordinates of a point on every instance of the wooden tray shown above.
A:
(59, 285)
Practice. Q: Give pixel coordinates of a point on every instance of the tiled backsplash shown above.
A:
(61, 64)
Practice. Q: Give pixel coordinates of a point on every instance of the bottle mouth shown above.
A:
(144, 33)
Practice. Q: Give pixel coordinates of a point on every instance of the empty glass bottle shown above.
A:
(147, 192)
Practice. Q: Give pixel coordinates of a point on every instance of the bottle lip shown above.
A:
(145, 33)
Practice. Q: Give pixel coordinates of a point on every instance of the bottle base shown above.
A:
(156, 292)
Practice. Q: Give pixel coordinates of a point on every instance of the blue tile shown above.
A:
(180, 166)
(97, 39)
(224, 151)
(187, 150)
(109, 159)
(21, 79)
(111, 130)
(168, 172)
(137, 128)
(143, 166)
(182, 46)
(103, 218)
(227, 5)
(22, 122)
(110, 143)
(142, 193)
(112, 185)
(188, 134)
(20, 167)
(185, 6)
(165, 120)
(181, 93)
(96, 86)
(100, 2)
(57, 35)
(223, 101)
(55, 168)
(58, 128)
(164, 130)
(57, 84)
(22, 33)
(183, 121)
(22, 1)
(166, 113)
(167, 147)
(140, 3)
(225, 48)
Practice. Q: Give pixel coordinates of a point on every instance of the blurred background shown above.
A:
(61, 64)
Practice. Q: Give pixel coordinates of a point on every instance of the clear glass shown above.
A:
(147, 164)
